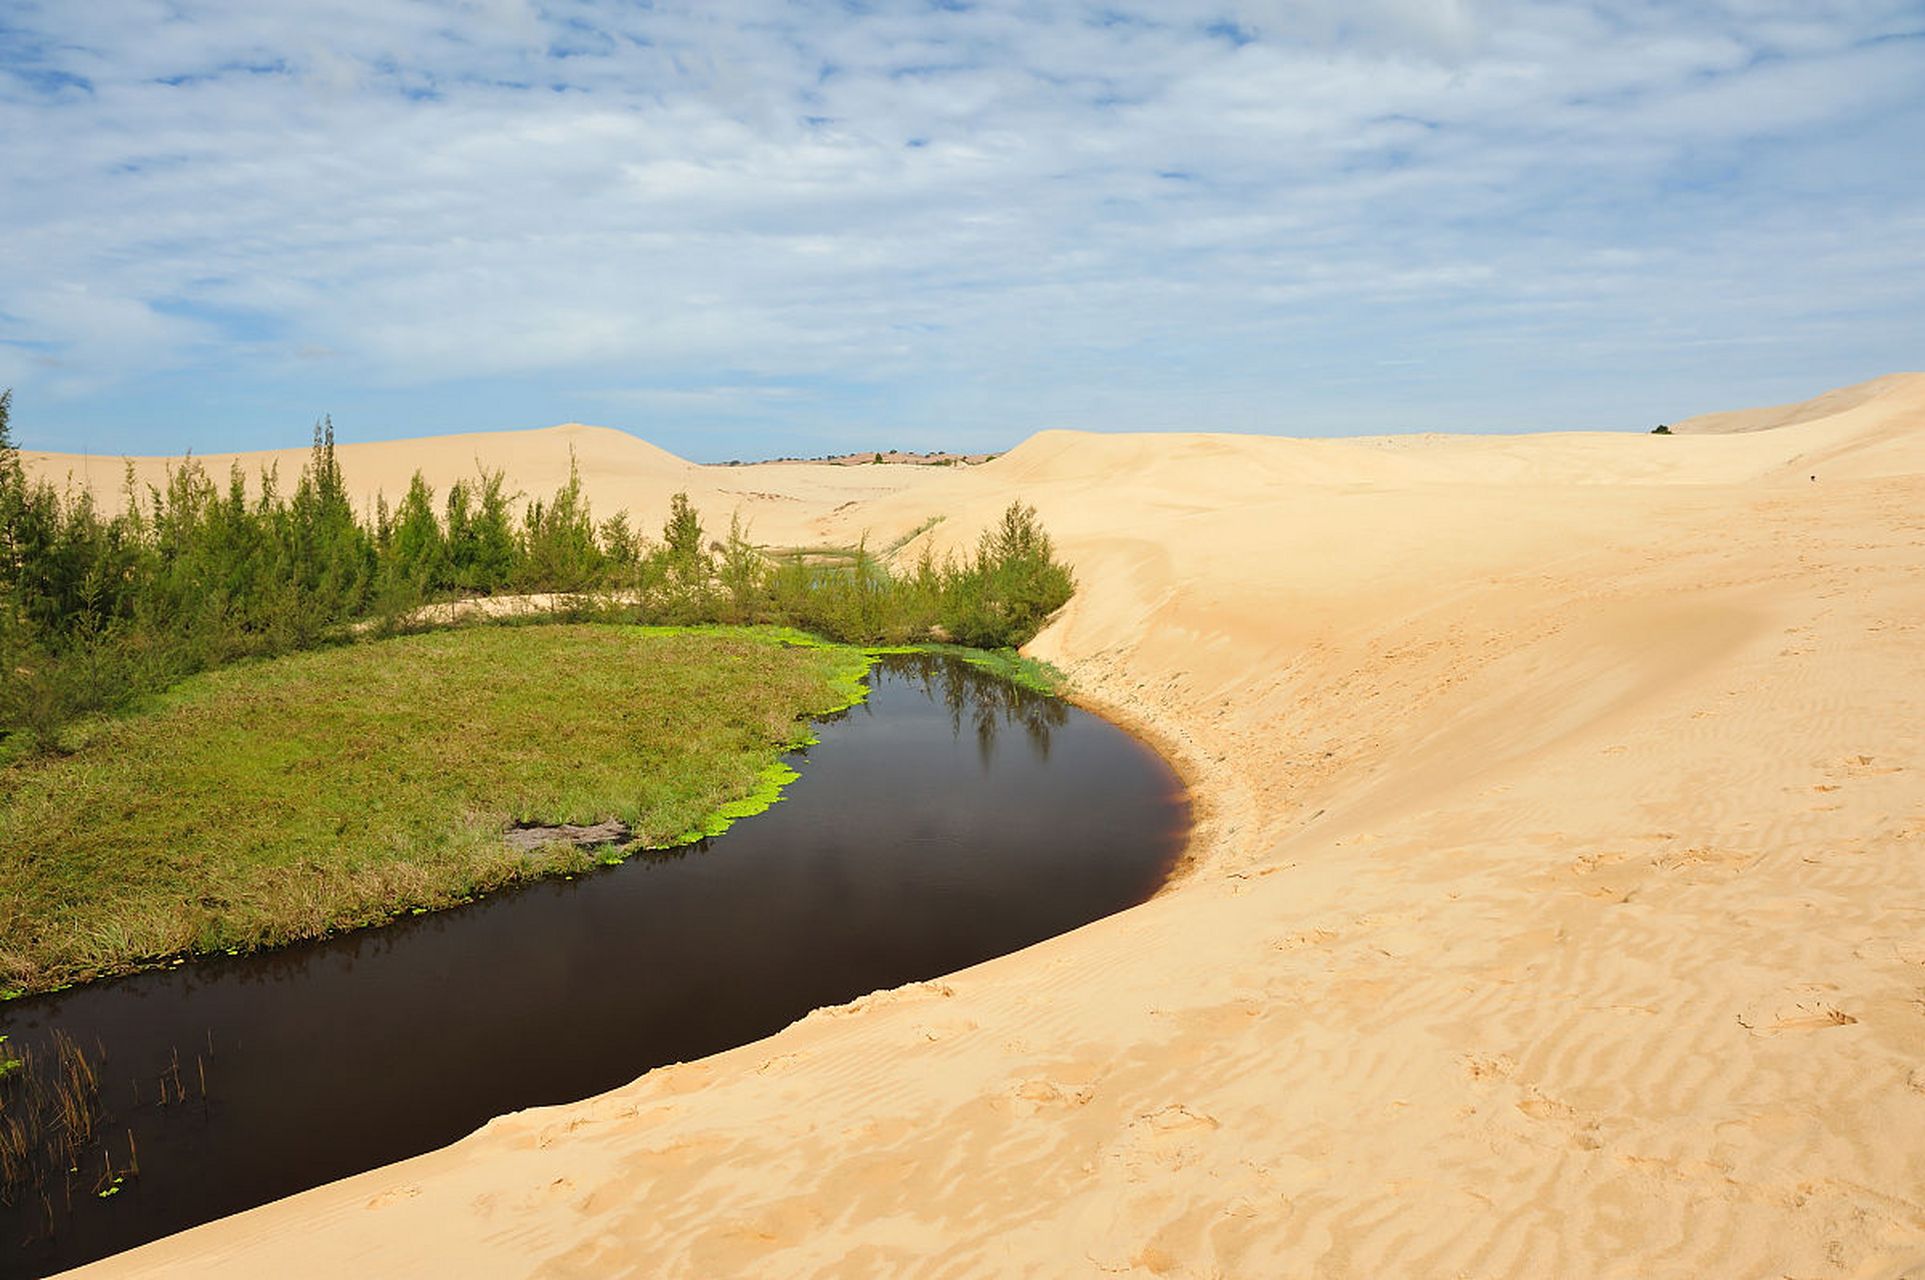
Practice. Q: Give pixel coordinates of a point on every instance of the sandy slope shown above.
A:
(1558, 907)
(1897, 387)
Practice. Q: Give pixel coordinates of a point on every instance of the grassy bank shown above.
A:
(283, 799)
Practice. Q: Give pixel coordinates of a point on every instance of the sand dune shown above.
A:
(1557, 906)
(1894, 391)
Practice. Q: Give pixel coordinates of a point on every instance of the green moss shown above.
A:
(767, 791)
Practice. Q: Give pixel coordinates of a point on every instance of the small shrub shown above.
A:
(1003, 595)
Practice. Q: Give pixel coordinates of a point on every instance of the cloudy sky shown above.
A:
(748, 228)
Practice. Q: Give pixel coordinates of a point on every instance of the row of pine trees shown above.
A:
(97, 608)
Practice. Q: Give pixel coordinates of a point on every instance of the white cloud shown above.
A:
(1012, 195)
(111, 335)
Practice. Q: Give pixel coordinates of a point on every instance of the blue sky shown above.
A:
(745, 228)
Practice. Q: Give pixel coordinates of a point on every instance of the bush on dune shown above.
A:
(1002, 597)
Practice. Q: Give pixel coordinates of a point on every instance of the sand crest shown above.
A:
(1556, 907)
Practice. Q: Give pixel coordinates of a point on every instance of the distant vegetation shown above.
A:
(97, 609)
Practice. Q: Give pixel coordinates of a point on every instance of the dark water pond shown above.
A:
(951, 818)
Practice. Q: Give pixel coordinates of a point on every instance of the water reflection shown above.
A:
(984, 701)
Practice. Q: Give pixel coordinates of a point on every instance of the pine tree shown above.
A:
(682, 543)
(416, 550)
(13, 482)
(331, 553)
(558, 539)
(482, 552)
(9, 455)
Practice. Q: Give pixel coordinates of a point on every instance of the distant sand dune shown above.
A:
(1556, 907)
(1896, 391)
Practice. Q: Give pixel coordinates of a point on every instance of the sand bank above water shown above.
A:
(1558, 906)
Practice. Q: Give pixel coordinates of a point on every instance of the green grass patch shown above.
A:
(909, 537)
(284, 799)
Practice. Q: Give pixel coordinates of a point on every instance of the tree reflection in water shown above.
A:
(988, 703)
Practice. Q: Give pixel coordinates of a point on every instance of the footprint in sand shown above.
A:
(1036, 1095)
(937, 1030)
(1903, 949)
(1490, 1067)
(1603, 875)
(538, 1198)
(1580, 1130)
(1221, 1020)
(1861, 766)
(1701, 863)
(1166, 1139)
(1804, 1015)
